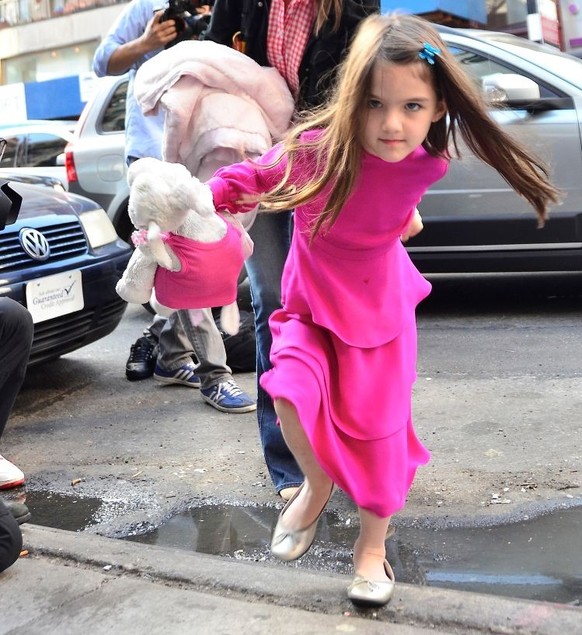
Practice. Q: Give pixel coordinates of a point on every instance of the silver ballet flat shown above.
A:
(287, 544)
(364, 592)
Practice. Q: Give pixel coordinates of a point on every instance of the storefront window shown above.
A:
(504, 13)
(43, 65)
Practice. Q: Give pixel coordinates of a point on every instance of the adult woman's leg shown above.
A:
(271, 234)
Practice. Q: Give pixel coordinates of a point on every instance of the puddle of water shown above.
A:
(539, 559)
(72, 513)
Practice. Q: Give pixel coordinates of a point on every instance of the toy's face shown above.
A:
(157, 200)
(167, 194)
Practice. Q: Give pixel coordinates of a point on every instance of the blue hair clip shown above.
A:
(428, 52)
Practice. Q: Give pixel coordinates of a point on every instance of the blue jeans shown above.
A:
(271, 233)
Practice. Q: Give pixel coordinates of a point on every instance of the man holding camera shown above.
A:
(142, 31)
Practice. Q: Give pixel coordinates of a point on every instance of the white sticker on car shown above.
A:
(52, 296)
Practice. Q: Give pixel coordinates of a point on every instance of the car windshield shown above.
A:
(567, 67)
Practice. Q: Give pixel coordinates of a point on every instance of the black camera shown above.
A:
(189, 24)
(10, 202)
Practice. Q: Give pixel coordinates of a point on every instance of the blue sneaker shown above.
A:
(228, 397)
(184, 375)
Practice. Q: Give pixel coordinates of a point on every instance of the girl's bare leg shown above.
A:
(317, 486)
(370, 547)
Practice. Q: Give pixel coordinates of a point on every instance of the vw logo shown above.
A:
(34, 244)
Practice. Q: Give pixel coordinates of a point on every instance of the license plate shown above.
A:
(52, 296)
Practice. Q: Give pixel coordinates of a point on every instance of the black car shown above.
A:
(61, 258)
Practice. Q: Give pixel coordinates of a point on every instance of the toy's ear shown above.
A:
(157, 247)
(230, 318)
(200, 197)
(141, 166)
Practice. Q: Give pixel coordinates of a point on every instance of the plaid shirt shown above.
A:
(290, 25)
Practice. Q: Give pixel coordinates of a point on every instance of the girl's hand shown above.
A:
(414, 228)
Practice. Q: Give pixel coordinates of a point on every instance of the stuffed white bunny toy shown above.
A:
(187, 255)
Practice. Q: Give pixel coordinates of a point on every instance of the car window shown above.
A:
(562, 65)
(13, 152)
(43, 149)
(113, 119)
(479, 66)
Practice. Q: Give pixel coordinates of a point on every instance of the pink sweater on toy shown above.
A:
(209, 272)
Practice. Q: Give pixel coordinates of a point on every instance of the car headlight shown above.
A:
(98, 227)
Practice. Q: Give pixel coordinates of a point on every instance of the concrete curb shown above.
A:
(258, 583)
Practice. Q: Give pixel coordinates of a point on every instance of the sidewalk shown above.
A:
(77, 583)
(497, 411)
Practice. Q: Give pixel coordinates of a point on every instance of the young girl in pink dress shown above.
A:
(344, 343)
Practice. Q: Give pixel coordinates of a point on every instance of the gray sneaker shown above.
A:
(228, 397)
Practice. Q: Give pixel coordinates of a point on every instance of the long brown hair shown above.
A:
(325, 9)
(399, 39)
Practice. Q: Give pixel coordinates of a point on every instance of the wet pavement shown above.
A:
(498, 402)
(534, 559)
(74, 583)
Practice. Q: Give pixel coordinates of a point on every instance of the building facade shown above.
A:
(46, 46)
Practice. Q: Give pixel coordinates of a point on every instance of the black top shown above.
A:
(322, 54)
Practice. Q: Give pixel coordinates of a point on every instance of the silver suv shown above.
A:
(473, 221)
(95, 158)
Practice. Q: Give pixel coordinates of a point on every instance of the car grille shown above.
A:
(67, 333)
(66, 240)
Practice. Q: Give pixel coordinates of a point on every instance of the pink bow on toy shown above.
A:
(140, 237)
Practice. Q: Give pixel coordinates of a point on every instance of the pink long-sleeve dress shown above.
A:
(344, 342)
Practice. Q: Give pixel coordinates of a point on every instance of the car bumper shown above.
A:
(100, 315)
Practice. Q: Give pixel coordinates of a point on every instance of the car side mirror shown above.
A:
(509, 88)
(10, 202)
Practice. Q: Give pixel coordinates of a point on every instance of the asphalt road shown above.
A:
(498, 403)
